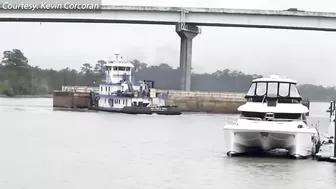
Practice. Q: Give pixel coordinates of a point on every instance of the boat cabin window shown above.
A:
(284, 89)
(120, 68)
(261, 88)
(273, 116)
(287, 116)
(273, 89)
(256, 115)
(108, 68)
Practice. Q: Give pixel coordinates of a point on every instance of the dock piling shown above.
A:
(334, 133)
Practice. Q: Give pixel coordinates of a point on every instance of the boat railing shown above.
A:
(79, 88)
(273, 119)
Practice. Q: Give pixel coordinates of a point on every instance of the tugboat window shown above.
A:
(121, 68)
(251, 91)
(261, 89)
(128, 68)
(272, 89)
(115, 68)
(283, 89)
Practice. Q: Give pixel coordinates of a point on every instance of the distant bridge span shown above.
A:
(186, 20)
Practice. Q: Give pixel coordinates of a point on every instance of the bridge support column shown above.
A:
(186, 32)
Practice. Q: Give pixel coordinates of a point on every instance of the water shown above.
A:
(41, 148)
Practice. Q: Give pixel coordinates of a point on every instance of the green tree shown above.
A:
(138, 65)
(16, 72)
(86, 69)
(18, 77)
(14, 58)
(99, 67)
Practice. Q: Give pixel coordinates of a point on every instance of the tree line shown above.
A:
(18, 77)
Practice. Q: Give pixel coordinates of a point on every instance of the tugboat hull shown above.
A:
(165, 110)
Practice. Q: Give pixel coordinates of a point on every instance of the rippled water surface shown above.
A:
(46, 149)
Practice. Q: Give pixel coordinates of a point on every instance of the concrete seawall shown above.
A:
(210, 102)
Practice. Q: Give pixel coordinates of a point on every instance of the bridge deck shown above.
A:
(277, 19)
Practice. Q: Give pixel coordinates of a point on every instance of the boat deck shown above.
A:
(326, 153)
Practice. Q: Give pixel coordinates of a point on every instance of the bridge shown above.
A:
(186, 20)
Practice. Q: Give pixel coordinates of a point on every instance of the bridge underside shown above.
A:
(81, 20)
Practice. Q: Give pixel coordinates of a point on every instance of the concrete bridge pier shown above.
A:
(186, 32)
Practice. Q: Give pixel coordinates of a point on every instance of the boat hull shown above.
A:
(142, 110)
(247, 137)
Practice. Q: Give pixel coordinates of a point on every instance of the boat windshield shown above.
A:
(294, 92)
(251, 91)
(273, 89)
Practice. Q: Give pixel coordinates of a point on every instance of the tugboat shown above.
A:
(119, 94)
(272, 118)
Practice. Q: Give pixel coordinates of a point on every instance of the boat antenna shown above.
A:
(117, 57)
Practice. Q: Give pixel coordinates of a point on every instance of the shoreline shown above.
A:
(51, 96)
(28, 96)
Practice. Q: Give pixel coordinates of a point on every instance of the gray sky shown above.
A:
(307, 56)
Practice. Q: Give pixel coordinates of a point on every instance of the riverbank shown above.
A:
(28, 96)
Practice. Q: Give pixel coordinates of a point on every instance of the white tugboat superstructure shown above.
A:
(273, 117)
(119, 94)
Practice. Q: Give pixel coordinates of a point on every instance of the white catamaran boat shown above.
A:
(272, 118)
(120, 95)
